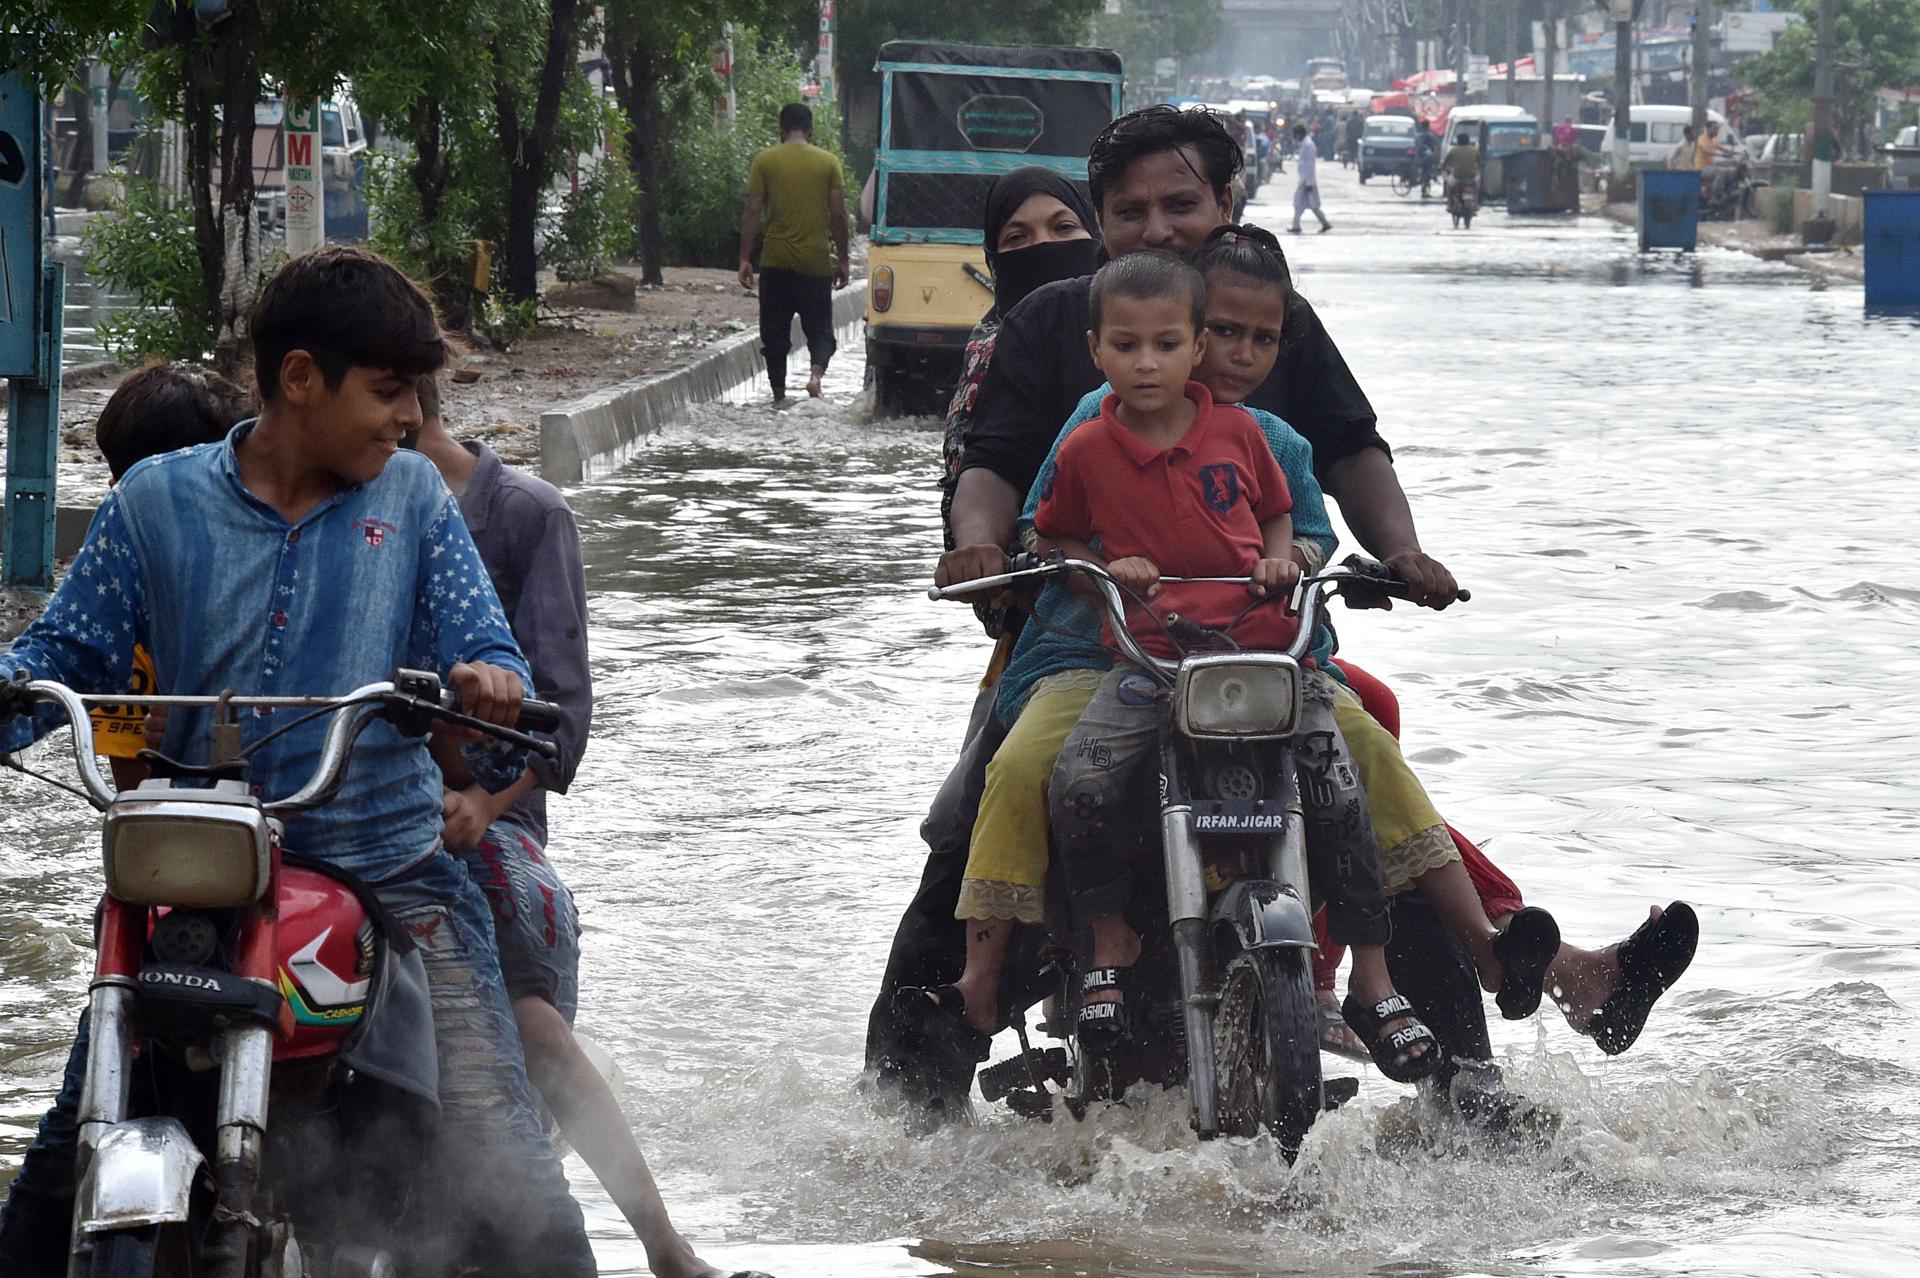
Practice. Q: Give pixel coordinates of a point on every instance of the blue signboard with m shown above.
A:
(31, 296)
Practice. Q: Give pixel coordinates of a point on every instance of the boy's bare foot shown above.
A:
(813, 385)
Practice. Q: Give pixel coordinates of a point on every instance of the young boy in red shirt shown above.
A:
(1167, 483)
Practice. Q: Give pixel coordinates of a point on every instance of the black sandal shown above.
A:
(1101, 1027)
(1389, 1050)
(939, 1013)
(1525, 951)
(1651, 960)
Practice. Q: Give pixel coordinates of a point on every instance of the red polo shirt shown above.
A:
(1194, 509)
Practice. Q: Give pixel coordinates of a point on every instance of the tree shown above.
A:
(432, 88)
(526, 137)
(1146, 30)
(1875, 43)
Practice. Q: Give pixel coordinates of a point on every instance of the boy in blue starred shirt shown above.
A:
(302, 555)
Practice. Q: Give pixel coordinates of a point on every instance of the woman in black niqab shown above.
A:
(1039, 228)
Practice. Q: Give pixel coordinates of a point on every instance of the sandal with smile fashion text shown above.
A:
(1393, 1051)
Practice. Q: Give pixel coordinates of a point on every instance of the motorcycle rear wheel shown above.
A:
(1267, 1041)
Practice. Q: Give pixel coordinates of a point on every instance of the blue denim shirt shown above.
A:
(1064, 631)
(226, 594)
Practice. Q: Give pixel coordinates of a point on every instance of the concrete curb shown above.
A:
(594, 435)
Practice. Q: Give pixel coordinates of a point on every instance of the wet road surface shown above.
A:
(1681, 490)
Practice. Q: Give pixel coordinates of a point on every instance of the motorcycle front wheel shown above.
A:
(1267, 1043)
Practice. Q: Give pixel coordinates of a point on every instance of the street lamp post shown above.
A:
(1702, 19)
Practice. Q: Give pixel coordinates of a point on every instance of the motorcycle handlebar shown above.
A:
(409, 693)
(1357, 578)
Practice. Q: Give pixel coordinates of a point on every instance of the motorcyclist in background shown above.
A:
(1461, 167)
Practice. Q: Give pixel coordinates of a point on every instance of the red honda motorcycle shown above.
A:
(235, 980)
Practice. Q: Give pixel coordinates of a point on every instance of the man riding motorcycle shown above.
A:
(1161, 178)
(1462, 172)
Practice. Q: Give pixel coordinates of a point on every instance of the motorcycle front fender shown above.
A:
(141, 1173)
(1264, 915)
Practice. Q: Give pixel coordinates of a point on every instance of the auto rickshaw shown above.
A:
(953, 117)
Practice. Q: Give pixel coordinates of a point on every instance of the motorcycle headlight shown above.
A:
(209, 852)
(1251, 696)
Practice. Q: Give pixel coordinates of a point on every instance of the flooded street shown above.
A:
(1682, 492)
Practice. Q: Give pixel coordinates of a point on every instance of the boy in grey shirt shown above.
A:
(531, 547)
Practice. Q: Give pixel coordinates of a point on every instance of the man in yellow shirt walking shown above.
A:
(795, 190)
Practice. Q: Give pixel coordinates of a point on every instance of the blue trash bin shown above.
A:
(1892, 247)
(1669, 209)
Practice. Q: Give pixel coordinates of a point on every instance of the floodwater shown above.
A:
(1682, 492)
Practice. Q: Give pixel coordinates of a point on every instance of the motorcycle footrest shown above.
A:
(1048, 1064)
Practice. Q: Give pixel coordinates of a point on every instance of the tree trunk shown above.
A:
(636, 84)
(197, 112)
(526, 149)
(232, 72)
(450, 280)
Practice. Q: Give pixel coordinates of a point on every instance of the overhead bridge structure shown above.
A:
(1253, 19)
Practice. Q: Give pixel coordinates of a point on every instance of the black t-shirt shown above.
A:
(1041, 369)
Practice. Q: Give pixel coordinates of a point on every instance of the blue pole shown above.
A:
(32, 301)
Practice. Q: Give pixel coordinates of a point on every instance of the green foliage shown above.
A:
(145, 249)
(424, 248)
(1144, 30)
(1875, 43)
(706, 181)
(502, 320)
(66, 31)
(595, 226)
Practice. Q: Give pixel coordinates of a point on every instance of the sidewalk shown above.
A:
(1756, 238)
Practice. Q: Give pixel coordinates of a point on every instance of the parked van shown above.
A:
(1515, 123)
(1654, 129)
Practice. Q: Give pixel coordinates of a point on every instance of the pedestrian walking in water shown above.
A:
(1306, 195)
(794, 190)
